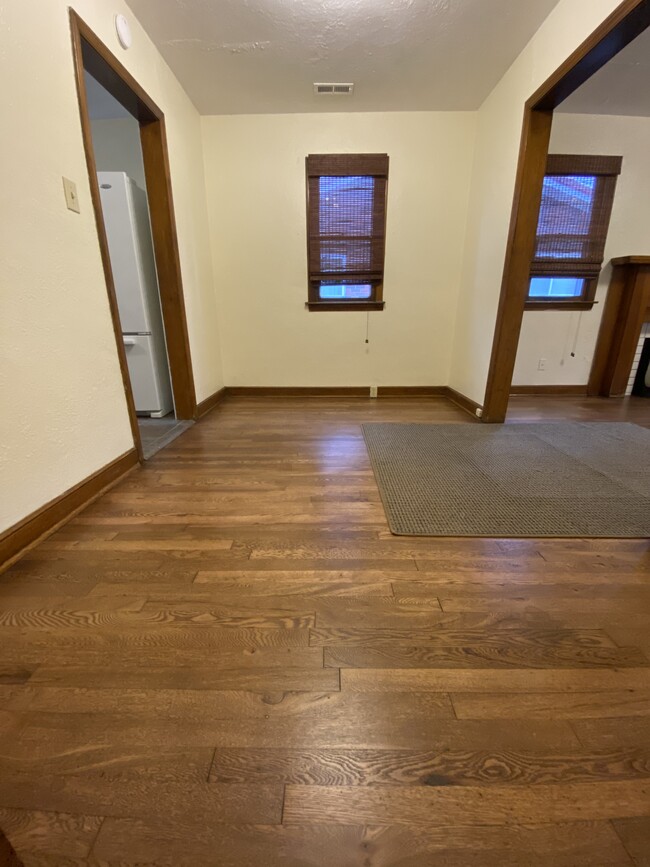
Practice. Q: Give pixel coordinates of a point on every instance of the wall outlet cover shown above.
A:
(373, 391)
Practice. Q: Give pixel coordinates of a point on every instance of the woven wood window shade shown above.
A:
(346, 224)
(574, 215)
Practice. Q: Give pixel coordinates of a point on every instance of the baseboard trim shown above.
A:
(207, 405)
(16, 540)
(470, 406)
(580, 390)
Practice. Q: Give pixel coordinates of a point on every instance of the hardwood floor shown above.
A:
(229, 660)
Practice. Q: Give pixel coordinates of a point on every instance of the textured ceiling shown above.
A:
(262, 56)
(622, 86)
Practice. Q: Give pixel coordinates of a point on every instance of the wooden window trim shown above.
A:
(606, 169)
(345, 165)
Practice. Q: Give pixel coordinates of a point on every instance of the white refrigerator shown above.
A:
(128, 231)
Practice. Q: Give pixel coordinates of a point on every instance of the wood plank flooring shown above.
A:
(229, 660)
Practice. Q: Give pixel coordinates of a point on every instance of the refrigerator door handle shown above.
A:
(128, 341)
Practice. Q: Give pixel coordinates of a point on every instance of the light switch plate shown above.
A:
(71, 199)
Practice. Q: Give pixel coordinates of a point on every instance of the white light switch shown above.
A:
(70, 190)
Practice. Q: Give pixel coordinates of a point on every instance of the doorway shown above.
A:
(128, 167)
(625, 24)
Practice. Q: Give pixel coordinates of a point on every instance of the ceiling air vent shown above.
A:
(333, 88)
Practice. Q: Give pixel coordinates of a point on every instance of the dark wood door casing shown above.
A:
(91, 54)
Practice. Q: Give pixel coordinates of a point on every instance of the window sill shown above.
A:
(559, 305)
(344, 305)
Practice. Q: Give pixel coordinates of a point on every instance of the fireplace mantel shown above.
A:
(626, 309)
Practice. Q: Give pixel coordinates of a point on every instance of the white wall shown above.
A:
(554, 334)
(493, 179)
(255, 173)
(63, 409)
(116, 142)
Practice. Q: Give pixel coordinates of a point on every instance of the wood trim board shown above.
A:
(625, 23)
(32, 529)
(205, 406)
(626, 309)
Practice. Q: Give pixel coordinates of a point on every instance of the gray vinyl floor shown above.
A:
(156, 433)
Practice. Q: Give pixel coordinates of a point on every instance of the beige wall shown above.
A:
(63, 408)
(554, 334)
(255, 172)
(493, 178)
(116, 142)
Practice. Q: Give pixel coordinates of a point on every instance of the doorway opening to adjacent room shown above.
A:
(131, 192)
(626, 23)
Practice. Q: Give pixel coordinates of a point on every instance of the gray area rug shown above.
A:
(555, 479)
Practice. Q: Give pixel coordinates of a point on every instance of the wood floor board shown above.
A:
(228, 659)
(506, 805)
(440, 636)
(635, 836)
(566, 845)
(114, 762)
(142, 674)
(399, 768)
(480, 680)
(613, 732)
(50, 833)
(210, 803)
(422, 731)
(574, 705)
(51, 645)
(487, 655)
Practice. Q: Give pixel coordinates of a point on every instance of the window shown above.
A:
(346, 230)
(577, 199)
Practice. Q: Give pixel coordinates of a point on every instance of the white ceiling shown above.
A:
(101, 105)
(621, 87)
(263, 56)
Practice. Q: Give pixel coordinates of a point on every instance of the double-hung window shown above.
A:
(346, 230)
(574, 215)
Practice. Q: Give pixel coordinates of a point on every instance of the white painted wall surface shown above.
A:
(493, 179)
(554, 334)
(63, 409)
(255, 172)
(116, 142)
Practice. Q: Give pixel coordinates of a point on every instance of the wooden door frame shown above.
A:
(90, 53)
(625, 23)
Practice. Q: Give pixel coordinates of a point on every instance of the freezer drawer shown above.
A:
(149, 377)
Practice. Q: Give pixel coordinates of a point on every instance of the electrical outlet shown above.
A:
(373, 391)
(71, 199)
(541, 364)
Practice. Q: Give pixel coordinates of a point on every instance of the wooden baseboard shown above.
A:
(205, 406)
(35, 527)
(580, 390)
(462, 401)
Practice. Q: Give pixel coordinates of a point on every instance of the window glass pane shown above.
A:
(565, 216)
(345, 222)
(556, 287)
(344, 291)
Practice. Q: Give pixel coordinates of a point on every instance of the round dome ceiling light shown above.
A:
(123, 30)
